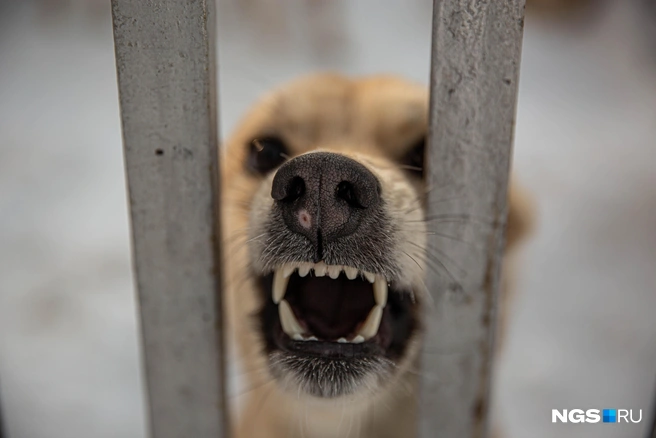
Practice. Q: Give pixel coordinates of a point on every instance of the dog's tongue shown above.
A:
(331, 308)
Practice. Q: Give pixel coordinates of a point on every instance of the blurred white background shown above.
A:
(583, 331)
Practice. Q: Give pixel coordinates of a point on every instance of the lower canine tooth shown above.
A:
(370, 326)
(380, 291)
(288, 321)
(280, 281)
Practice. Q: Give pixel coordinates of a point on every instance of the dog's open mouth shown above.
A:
(335, 312)
(329, 303)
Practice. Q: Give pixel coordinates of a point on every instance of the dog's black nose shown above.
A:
(325, 196)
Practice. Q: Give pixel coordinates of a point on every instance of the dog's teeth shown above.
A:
(304, 269)
(370, 326)
(380, 291)
(288, 321)
(312, 338)
(280, 281)
(351, 273)
(288, 270)
(320, 269)
(342, 340)
(334, 271)
(358, 339)
(369, 276)
(298, 337)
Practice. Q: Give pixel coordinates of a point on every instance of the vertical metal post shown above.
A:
(651, 429)
(165, 55)
(2, 423)
(474, 74)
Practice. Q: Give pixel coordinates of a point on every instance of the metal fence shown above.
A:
(165, 52)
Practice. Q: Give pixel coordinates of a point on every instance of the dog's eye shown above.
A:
(414, 160)
(266, 154)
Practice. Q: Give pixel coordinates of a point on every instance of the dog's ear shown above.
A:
(520, 217)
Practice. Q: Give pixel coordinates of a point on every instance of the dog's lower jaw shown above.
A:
(273, 413)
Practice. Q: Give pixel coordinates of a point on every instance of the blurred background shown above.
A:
(583, 329)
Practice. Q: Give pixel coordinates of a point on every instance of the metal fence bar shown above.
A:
(651, 429)
(165, 54)
(2, 423)
(474, 74)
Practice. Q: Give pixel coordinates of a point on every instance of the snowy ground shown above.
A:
(584, 330)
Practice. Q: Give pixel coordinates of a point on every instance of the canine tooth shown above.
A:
(351, 273)
(369, 276)
(288, 321)
(370, 326)
(320, 269)
(304, 269)
(280, 281)
(334, 271)
(380, 291)
(342, 340)
(358, 339)
(288, 270)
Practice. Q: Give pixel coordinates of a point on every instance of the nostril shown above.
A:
(295, 189)
(346, 192)
(324, 196)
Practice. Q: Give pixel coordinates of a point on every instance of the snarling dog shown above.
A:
(324, 201)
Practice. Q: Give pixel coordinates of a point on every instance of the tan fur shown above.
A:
(373, 120)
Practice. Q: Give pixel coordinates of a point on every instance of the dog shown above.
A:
(325, 241)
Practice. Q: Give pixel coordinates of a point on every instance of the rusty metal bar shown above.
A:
(165, 55)
(476, 50)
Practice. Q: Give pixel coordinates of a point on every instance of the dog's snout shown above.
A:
(325, 196)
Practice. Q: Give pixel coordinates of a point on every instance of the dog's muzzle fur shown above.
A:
(339, 302)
